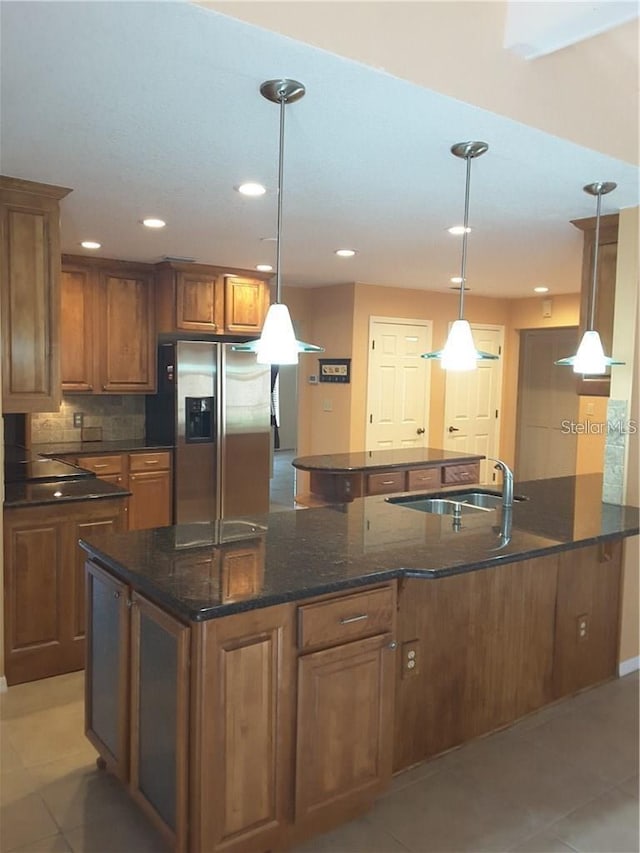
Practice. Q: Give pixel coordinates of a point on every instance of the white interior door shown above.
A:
(472, 403)
(546, 397)
(398, 383)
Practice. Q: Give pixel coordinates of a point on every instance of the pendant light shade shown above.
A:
(459, 352)
(277, 343)
(590, 359)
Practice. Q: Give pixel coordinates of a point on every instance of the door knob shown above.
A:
(420, 431)
(454, 429)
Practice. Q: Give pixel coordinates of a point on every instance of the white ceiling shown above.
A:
(154, 109)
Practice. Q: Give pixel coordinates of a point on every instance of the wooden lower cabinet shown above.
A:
(147, 475)
(242, 751)
(44, 584)
(137, 698)
(150, 501)
(344, 729)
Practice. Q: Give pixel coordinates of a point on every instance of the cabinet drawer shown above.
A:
(340, 620)
(101, 464)
(461, 473)
(380, 484)
(157, 461)
(423, 478)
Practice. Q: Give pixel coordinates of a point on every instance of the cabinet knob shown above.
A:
(392, 645)
(116, 595)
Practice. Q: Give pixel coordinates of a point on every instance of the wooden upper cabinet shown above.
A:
(30, 294)
(246, 301)
(606, 291)
(78, 321)
(202, 298)
(197, 298)
(129, 362)
(107, 327)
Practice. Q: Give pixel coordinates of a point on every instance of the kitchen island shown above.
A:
(256, 681)
(339, 477)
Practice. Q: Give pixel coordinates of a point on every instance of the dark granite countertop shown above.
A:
(316, 551)
(90, 448)
(59, 491)
(368, 460)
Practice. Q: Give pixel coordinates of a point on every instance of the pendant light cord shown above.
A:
(463, 266)
(280, 184)
(594, 283)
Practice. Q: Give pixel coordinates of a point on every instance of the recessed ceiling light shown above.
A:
(251, 189)
(90, 244)
(264, 267)
(345, 253)
(455, 279)
(541, 289)
(458, 229)
(154, 223)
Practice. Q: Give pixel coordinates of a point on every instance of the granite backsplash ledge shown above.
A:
(119, 417)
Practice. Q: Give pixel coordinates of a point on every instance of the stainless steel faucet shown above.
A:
(507, 482)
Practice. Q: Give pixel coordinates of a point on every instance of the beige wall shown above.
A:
(338, 319)
(413, 41)
(624, 386)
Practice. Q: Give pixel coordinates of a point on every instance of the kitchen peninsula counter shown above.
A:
(255, 681)
(339, 477)
(329, 549)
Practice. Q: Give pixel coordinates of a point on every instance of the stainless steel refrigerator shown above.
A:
(213, 406)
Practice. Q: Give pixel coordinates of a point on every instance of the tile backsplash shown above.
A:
(120, 417)
(615, 452)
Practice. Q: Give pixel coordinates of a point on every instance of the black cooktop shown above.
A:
(41, 471)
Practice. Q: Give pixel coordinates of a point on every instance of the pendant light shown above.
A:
(459, 351)
(277, 344)
(590, 358)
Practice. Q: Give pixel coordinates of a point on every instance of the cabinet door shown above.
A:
(345, 727)
(160, 717)
(150, 501)
(78, 366)
(107, 675)
(198, 302)
(30, 294)
(36, 607)
(243, 725)
(246, 301)
(587, 612)
(128, 333)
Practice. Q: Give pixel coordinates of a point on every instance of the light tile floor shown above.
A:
(563, 779)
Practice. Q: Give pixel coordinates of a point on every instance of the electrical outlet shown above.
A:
(582, 627)
(78, 419)
(410, 659)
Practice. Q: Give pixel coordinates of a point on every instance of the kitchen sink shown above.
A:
(439, 506)
(454, 503)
